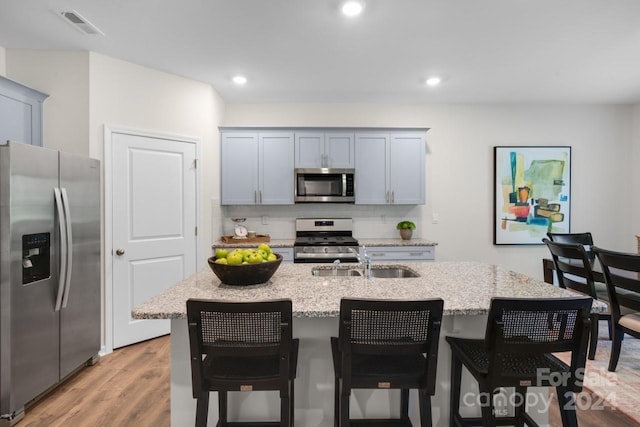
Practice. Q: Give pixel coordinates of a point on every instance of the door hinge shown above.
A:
(195, 163)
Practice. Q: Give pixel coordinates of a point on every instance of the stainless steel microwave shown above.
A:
(324, 185)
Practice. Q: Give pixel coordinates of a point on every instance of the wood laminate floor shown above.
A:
(130, 387)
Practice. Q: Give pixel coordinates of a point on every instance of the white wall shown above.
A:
(128, 95)
(460, 169)
(3, 62)
(635, 169)
(64, 76)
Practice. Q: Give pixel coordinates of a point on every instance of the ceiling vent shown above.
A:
(78, 22)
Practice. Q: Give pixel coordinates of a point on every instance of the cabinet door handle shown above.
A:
(393, 197)
(386, 197)
(417, 253)
(255, 197)
(378, 254)
(260, 196)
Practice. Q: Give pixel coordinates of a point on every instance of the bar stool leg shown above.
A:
(222, 408)
(202, 409)
(336, 403)
(456, 378)
(488, 416)
(285, 410)
(424, 401)
(344, 409)
(404, 405)
(521, 409)
(567, 406)
(291, 405)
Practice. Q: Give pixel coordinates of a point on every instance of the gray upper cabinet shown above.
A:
(20, 113)
(390, 168)
(324, 150)
(256, 168)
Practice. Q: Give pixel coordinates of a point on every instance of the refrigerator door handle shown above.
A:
(69, 249)
(62, 227)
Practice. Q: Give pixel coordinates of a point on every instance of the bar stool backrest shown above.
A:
(537, 327)
(391, 327)
(223, 328)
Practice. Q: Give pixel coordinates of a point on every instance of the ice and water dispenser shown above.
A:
(36, 259)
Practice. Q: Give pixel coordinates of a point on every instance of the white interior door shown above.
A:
(154, 226)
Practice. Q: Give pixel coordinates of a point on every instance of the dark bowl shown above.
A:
(245, 274)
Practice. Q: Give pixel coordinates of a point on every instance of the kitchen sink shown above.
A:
(328, 272)
(394, 272)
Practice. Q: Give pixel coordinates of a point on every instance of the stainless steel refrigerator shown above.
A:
(50, 295)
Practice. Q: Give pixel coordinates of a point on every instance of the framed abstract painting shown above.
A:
(532, 193)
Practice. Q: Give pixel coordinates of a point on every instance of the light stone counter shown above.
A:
(240, 243)
(396, 242)
(466, 288)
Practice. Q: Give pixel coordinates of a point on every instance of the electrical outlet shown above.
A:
(265, 220)
(435, 218)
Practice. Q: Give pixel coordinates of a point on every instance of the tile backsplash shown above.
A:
(369, 221)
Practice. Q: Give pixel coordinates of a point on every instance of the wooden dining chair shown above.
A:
(621, 272)
(386, 344)
(241, 346)
(521, 336)
(574, 272)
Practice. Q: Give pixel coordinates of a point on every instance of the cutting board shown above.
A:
(260, 238)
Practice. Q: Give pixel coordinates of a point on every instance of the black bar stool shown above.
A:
(516, 352)
(386, 344)
(241, 346)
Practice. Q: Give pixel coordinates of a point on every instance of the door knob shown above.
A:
(119, 252)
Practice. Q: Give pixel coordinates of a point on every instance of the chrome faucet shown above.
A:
(364, 260)
(336, 264)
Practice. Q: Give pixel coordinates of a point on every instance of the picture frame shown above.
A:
(532, 193)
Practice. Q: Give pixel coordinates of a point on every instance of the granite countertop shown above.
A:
(396, 242)
(288, 243)
(239, 243)
(466, 287)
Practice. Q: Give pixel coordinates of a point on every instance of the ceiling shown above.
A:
(305, 51)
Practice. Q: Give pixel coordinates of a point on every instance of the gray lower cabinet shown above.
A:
(20, 113)
(390, 168)
(256, 168)
(287, 253)
(402, 253)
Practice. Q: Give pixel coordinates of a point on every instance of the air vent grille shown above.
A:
(80, 23)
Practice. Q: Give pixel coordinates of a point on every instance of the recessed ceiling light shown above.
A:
(433, 81)
(352, 8)
(239, 80)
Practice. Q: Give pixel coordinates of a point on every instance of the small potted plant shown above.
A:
(406, 229)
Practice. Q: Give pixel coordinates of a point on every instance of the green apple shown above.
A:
(221, 253)
(234, 258)
(221, 261)
(272, 257)
(264, 247)
(263, 254)
(254, 258)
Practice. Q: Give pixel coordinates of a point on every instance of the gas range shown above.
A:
(324, 240)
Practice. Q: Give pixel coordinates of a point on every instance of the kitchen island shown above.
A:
(466, 287)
